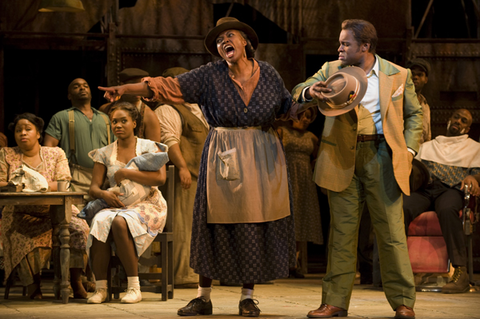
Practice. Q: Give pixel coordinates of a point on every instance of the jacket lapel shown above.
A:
(386, 82)
(385, 88)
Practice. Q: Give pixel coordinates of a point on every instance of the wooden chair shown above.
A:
(10, 283)
(164, 259)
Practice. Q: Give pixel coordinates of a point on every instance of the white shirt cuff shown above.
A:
(303, 95)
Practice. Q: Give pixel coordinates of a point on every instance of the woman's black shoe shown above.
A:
(197, 306)
(248, 308)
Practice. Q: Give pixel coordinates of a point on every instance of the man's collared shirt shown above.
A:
(369, 116)
(89, 134)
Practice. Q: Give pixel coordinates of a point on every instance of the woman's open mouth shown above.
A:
(229, 51)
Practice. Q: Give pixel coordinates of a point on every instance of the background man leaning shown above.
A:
(184, 130)
(453, 162)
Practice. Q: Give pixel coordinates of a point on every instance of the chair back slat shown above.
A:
(169, 197)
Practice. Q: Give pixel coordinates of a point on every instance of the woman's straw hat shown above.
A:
(228, 23)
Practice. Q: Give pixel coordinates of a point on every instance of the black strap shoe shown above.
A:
(248, 308)
(195, 307)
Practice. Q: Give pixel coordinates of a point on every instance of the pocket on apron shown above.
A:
(227, 165)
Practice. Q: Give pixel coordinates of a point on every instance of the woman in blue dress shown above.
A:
(242, 222)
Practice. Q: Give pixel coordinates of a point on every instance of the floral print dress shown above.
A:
(145, 219)
(27, 230)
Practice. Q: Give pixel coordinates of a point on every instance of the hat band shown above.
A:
(351, 97)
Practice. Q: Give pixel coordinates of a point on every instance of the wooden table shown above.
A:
(61, 215)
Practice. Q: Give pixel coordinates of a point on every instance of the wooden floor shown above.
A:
(285, 298)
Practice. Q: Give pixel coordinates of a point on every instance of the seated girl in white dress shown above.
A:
(130, 228)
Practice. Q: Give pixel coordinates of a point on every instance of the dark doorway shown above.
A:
(37, 81)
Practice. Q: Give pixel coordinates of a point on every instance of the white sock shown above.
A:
(246, 294)
(204, 292)
(101, 284)
(133, 282)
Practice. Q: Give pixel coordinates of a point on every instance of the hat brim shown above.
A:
(210, 39)
(131, 74)
(361, 76)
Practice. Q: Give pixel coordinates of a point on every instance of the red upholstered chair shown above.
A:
(427, 248)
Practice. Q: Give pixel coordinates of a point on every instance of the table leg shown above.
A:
(61, 216)
(64, 237)
(56, 261)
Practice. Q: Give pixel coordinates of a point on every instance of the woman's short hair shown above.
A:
(249, 50)
(131, 110)
(32, 118)
(127, 107)
(363, 32)
(313, 110)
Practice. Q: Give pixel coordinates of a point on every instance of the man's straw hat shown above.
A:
(348, 89)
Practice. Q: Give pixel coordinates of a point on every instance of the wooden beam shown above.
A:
(112, 59)
(2, 86)
(423, 19)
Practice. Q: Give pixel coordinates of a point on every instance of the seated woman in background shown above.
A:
(131, 228)
(27, 230)
(301, 146)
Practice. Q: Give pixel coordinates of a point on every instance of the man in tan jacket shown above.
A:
(365, 157)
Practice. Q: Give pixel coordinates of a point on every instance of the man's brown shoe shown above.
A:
(327, 311)
(404, 312)
(460, 282)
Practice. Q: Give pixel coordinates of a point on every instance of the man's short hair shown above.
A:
(74, 81)
(421, 63)
(363, 31)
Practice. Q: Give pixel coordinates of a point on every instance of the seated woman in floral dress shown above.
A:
(27, 230)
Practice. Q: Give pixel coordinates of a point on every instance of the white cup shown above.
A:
(63, 186)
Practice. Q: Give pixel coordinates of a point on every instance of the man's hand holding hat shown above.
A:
(316, 91)
(341, 92)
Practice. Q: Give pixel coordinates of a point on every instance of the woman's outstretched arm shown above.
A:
(113, 93)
